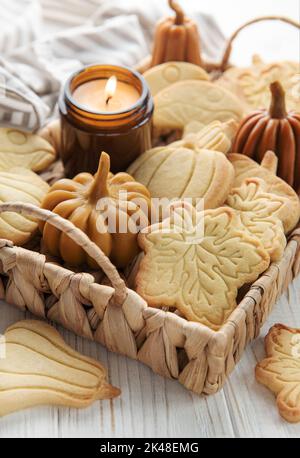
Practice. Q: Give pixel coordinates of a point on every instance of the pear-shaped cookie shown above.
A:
(163, 75)
(191, 100)
(23, 149)
(39, 368)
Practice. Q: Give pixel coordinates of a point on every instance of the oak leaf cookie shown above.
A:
(202, 101)
(39, 368)
(280, 371)
(261, 214)
(245, 167)
(196, 261)
(22, 149)
(161, 76)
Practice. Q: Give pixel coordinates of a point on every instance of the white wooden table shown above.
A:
(151, 406)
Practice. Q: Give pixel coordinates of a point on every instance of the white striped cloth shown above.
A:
(43, 41)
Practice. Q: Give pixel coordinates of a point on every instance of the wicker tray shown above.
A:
(104, 308)
(120, 319)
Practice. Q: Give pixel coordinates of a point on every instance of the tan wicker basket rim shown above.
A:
(78, 237)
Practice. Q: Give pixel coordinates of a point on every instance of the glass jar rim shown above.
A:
(105, 67)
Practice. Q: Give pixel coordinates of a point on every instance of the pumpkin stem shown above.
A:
(277, 108)
(179, 19)
(98, 188)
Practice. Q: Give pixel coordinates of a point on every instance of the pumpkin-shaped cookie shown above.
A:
(107, 207)
(162, 76)
(20, 185)
(191, 100)
(183, 170)
(273, 129)
(22, 149)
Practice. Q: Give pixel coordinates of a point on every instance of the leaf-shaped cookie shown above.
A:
(280, 371)
(245, 167)
(196, 261)
(261, 213)
(251, 84)
(39, 368)
(201, 101)
(161, 76)
(216, 136)
(20, 185)
(22, 149)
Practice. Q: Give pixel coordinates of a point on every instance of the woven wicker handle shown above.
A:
(227, 53)
(78, 237)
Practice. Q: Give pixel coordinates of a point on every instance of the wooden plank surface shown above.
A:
(151, 406)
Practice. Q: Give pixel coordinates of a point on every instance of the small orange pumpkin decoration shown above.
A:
(275, 130)
(78, 201)
(176, 39)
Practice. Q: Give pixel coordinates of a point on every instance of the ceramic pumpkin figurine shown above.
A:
(101, 206)
(176, 39)
(274, 129)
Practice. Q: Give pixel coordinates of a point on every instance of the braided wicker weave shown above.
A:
(120, 319)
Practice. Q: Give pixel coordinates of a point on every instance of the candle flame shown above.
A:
(110, 88)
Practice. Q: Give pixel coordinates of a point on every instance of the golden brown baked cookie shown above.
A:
(181, 169)
(22, 149)
(196, 261)
(41, 369)
(202, 101)
(52, 134)
(280, 371)
(216, 136)
(261, 214)
(163, 75)
(247, 168)
(25, 186)
(251, 84)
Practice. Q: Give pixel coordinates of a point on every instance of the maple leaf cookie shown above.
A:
(245, 167)
(280, 371)
(196, 261)
(261, 214)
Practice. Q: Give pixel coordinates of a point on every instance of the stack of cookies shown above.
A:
(198, 257)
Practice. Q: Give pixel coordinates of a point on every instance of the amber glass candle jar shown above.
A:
(87, 131)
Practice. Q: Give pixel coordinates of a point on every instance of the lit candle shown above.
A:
(104, 108)
(104, 95)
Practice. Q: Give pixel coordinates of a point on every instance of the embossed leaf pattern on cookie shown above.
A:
(198, 265)
(256, 84)
(252, 84)
(245, 167)
(261, 213)
(280, 371)
(201, 101)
